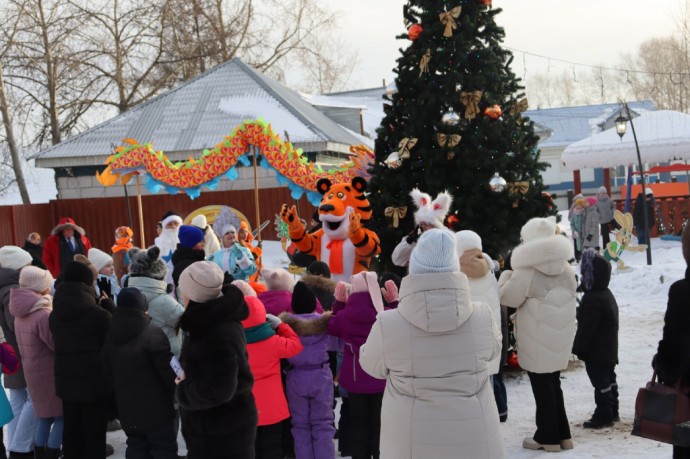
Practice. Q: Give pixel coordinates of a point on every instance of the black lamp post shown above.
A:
(621, 125)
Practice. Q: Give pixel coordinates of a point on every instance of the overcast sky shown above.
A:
(593, 32)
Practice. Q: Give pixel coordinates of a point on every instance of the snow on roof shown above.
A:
(662, 136)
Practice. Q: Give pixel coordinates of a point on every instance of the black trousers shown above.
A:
(551, 419)
(269, 441)
(365, 425)
(603, 380)
(158, 444)
(84, 434)
(605, 237)
(681, 453)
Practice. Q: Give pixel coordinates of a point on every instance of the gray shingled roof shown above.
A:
(200, 113)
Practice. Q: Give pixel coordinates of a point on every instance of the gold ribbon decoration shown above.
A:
(518, 189)
(519, 107)
(448, 19)
(405, 146)
(470, 99)
(445, 140)
(424, 63)
(396, 213)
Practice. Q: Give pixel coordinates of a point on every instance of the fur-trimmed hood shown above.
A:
(67, 222)
(307, 326)
(547, 255)
(319, 283)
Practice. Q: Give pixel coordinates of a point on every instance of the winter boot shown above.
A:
(596, 424)
(14, 455)
(52, 453)
(39, 452)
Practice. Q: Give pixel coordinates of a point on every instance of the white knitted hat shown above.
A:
(538, 228)
(14, 257)
(467, 240)
(200, 221)
(35, 279)
(435, 253)
(201, 281)
(602, 189)
(99, 258)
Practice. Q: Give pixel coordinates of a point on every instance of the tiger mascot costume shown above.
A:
(342, 242)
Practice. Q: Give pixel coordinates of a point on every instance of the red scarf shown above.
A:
(335, 259)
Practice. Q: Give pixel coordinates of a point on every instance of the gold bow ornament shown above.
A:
(405, 146)
(519, 107)
(448, 19)
(470, 99)
(518, 189)
(445, 140)
(424, 63)
(396, 213)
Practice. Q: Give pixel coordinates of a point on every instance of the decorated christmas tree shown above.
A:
(456, 123)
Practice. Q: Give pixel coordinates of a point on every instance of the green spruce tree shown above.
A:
(443, 122)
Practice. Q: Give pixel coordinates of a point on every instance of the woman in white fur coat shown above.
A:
(542, 288)
(434, 351)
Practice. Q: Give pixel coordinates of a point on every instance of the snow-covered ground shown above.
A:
(641, 294)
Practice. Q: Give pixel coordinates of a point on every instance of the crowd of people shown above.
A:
(192, 335)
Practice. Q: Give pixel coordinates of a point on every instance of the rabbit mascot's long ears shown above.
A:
(428, 211)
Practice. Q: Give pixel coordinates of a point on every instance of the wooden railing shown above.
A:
(673, 210)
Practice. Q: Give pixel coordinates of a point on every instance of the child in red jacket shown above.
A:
(268, 341)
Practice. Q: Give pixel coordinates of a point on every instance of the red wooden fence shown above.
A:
(100, 216)
(674, 211)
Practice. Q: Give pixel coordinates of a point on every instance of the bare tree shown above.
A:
(327, 65)
(9, 32)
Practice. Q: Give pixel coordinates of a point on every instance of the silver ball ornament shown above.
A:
(450, 118)
(393, 161)
(497, 184)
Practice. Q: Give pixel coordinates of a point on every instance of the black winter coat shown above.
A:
(79, 326)
(596, 340)
(36, 252)
(672, 360)
(9, 279)
(323, 288)
(638, 212)
(137, 356)
(219, 417)
(183, 257)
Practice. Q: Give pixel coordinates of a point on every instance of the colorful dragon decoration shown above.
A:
(292, 168)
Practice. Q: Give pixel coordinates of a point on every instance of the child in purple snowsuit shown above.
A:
(309, 381)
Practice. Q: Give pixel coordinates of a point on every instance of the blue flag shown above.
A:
(629, 190)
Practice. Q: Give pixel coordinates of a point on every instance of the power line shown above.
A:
(598, 67)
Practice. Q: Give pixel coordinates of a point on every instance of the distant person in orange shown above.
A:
(66, 240)
(123, 242)
(245, 237)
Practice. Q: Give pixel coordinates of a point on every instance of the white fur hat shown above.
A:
(435, 253)
(428, 211)
(99, 258)
(200, 221)
(467, 240)
(171, 218)
(539, 228)
(14, 257)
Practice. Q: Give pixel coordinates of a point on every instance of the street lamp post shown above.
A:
(621, 124)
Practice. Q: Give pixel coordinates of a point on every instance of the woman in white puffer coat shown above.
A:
(434, 351)
(542, 288)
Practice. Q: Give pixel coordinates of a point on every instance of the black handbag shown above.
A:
(662, 413)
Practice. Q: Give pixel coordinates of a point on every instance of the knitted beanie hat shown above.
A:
(303, 299)
(35, 279)
(319, 268)
(591, 200)
(78, 272)
(434, 253)
(85, 261)
(131, 297)
(201, 281)
(244, 287)
(99, 258)
(602, 189)
(539, 228)
(200, 221)
(467, 240)
(14, 257)
(190, 236)
(278, 279)
(147, 263)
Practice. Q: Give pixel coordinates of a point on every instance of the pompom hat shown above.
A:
(35, 279)
(435, 253)
(13, 257)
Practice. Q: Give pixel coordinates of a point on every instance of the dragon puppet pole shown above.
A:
(255, 149)
(141, 214)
